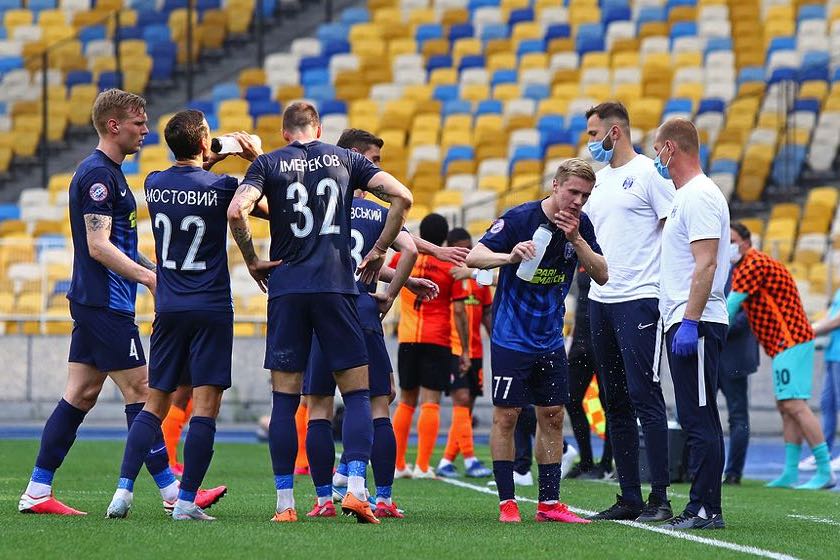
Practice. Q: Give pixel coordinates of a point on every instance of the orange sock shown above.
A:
(172, 426)
(452, 446)
(462, 418)
(427, 432)
(301, 420)
(402, 425)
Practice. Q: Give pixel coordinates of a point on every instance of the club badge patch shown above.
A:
(628, 182)
(497, 226)
(570, 251)
(98, 192)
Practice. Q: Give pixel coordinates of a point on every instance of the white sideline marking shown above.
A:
(815, 519)
(744, 549)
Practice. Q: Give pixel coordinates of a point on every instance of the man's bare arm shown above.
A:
(705, 265)
(98, 233)
(454, 255)
(462, 325)
(145, 262)
(387, 188)
(240, 207)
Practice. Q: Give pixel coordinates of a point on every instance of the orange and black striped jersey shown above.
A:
(427, 322)
(476, 299)
(773, 307)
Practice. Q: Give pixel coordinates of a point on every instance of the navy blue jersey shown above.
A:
(528, 316)
(309, 188)
(99, 187)
(367, 220)
(188, 208)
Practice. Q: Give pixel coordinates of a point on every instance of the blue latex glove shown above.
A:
(685, 339)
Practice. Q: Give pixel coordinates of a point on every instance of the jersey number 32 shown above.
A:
(298, 191)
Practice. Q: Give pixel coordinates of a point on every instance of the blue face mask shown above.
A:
(663, 168)
(599, 152)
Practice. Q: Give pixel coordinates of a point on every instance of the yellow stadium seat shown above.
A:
(646, 112)
(693, 91)
(420, 92)
(786, 210)
(501, 61)
(628, 93)
(426, 121)
(688, 59)
(475, 92)
(458, 122)
(595, 60)
(653, 29)
(454, 16)
(369, 48)
(579, 14)
(527, 30)
(533, 60)
(251, 77)
(365, 31)
(434, 47)
(813, 88)
(626, 60)
(495, 183)
(553, 106)
(682, 13)
(597, 91)
(464, 47)
(442, 76)
(565, 91)
(506, 92)
(402, 46)
(15, 18)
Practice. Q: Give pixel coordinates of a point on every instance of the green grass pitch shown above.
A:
(441, 521)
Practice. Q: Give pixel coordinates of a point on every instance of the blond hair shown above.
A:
(574, 167)
(115, 104)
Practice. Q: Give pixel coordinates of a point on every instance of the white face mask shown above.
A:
(734, 253)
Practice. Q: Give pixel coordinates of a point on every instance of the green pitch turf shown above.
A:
(442, 520)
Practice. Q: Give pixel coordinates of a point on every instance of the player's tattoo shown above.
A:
(246, 196)
(97, 222)
(144, 261)
(379, 192)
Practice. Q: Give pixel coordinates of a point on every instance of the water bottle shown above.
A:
(542, 237)
(229, 144)
(484, 277)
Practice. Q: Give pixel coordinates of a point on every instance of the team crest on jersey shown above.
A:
(628, 182)
(497, 226)
(570, 251)
(98, 192)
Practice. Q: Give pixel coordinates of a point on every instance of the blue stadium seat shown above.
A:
(163, 68)
(439, 61)
(781, 44)
(313, 63)
(355, 15)
(494, 31)
(554, 137)
(10, 5)
(258, 93)
(151, 138)
(836, 76)
(333, 32)
(558, 31)
(93, 33)
(132, 32)
(9, 63)
(476, 4)
(461, 31)
(750, 74)
(426, 32)
(146, 18)
(704, 153)
(446, 92)
(489, 107)
(262, 107)
(331, 48)
(714, 44)
(457, 153)
(551, 122)
(319, 92)
(504, 76)
(783, 75)
(811, 11)
(204, 5)
(37, 5)
(788, 164)
(813, 72)
(809, 104)
(225, 90)
(537, 91)
(333, 107)
(206, 106)
(471, 61)
(683, 29)
(523, 14)
(4, 109)
(678, 105)
(108, 80)
(530, 46)
(677, 3)
(589, 38)
(213, 121)
(78, 77)
(613, 13)
(170, 6)
(711, 105)
(524, 153)
(651, 13)
(724, 166)
(156, 33)
(577, 124)
(314, 77)
(456, 107)
(9, 212)
(63, 286)
(131, 166)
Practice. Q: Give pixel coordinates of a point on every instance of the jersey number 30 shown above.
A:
(163, 221)
(298, 191)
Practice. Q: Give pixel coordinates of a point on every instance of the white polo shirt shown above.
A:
(700, 212)
(626, 207)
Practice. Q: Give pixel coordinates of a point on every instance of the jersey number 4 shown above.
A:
(163, 221)
(298, 191)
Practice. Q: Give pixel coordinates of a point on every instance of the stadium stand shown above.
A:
(477, 101)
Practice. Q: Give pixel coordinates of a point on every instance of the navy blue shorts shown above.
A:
(293, 319)
(193, 347)
(523, 378)
(319, 380)
(105, 339)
